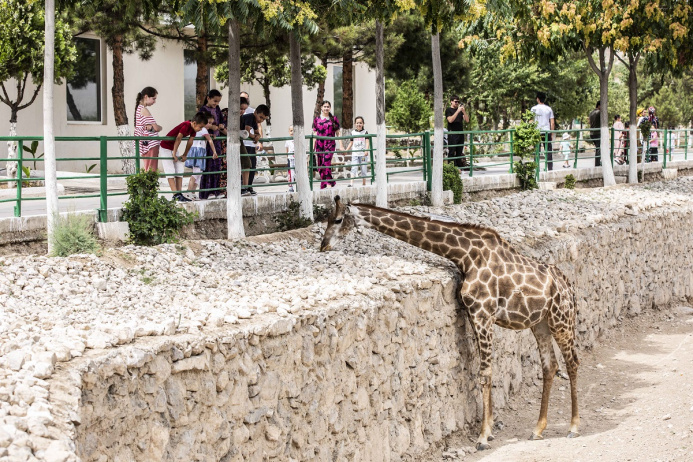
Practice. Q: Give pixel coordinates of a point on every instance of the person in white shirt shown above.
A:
(359, 147)
(543, 115)
(565, 149)
(251, 110)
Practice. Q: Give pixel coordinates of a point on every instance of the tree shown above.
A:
(410, 111)
(658, 28)
(117, 23)
(22, 48)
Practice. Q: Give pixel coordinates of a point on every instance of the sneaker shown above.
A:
(252, 192)
(291, 189)
(182, 198)
(246, 193)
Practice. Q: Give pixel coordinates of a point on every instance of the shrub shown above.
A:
(321, 213)
(452, 182)
(410, 111)
(527, 136)
(152, 219)
(291, 218)
(569, 182)
(74, 234)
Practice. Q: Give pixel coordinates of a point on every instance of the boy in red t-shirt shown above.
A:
(169, 149)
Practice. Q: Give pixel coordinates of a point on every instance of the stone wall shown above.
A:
(368, 379)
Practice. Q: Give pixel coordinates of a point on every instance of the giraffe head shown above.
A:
(340, 223)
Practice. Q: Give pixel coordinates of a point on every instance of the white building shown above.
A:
(175, 81)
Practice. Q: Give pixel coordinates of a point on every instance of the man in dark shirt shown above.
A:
(456, 117)
(596, 135)
(252, 122)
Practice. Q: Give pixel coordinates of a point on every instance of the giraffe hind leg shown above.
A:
(566, 342)
(549, 366)
(483, 330)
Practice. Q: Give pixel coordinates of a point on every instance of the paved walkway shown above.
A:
(38, 207)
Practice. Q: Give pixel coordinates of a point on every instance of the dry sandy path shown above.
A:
(636, 401)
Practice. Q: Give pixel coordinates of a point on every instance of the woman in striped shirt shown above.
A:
(145, 125)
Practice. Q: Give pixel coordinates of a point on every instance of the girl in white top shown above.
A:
(290, 159)
(565, 149)
(196, 156)
(360, 147)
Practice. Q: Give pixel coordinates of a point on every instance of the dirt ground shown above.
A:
(635, 397)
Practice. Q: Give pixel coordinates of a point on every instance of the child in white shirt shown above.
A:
(290, 159)
(196, 156)
(565, 149)
(360, 147)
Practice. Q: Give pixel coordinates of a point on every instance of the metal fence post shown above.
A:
(311, 165)
(577, 148)
(427, 159)
(512, 144)
(537, 161)
(685, 148)
(423, 157)
(370, 144)
(18, 204)
(137, 156)
(103, 180)
(664, 150)
(471, 154)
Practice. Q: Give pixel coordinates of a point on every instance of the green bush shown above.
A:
(291, 218)
(452, 182)
(569, 182)
(527, 136)
(152, 219)
(74, 234)
(321, 213)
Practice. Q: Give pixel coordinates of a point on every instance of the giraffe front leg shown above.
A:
(549, 366)
(483, 328)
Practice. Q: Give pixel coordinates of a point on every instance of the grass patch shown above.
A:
(74, 234)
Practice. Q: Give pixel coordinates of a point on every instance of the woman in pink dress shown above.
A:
(325, 125)
(145, 125)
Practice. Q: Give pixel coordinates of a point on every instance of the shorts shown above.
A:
(245, 160)
(171, 167)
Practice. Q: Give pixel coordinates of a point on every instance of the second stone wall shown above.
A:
(372, 379)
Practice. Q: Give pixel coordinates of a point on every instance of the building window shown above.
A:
(189, 86)
(337, 79)
(84, 87)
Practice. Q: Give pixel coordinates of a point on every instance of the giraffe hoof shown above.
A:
(535, 437)
(482, 446)
(491, 437)
(573, 435)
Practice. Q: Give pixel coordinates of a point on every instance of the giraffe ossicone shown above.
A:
(500, 286)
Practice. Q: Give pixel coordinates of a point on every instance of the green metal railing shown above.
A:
(407, 154)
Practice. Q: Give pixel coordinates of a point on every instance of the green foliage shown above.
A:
(526, 138)
(27, 174)
(321, 213)
(569, 181)
(152, 219)
(452, 182)
(88, 169)
(22, 48)
(74, 234)
(32, 150)
(291, 218)
(410, 111)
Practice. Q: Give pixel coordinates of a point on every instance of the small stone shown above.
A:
(666, 417)
(15, 359)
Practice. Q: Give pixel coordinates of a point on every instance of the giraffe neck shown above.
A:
(449, 240)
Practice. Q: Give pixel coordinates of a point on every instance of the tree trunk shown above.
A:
(127, 148)
(348, 90)
(202, 76)
(381, 131)
(234, 201)
(437, 167)
(11, 167)
(71, 105)
(305, 195)
(50, 175)
(321, 93)
(266, 92)
(607, 167)
(633, 110)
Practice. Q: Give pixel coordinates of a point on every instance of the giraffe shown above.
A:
(499, 286)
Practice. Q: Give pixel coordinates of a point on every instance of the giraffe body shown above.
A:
(499, 286)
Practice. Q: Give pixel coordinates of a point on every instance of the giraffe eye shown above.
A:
(336, 222)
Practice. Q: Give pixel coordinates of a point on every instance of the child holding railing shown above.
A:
(359, 155)
(565, 149)
(196, 156)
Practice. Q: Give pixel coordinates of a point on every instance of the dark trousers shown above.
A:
(654, 155)
(253, 164)
(548, 149)
(456, 152)
(597, 151)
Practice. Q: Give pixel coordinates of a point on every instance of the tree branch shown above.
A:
(611, 61)
(590, 59)
(623, 61)
(6, 99)
(36, 92)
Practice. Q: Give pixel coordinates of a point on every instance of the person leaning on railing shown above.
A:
(544, 117)
(145, 125)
